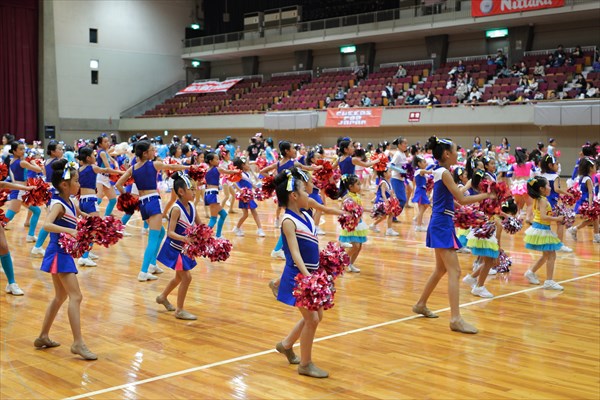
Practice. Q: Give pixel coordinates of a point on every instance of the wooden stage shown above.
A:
(533, 343)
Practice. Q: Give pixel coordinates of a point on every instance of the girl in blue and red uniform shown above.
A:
(549, 167)
(62, 218)
(587, 170)
(246, 182)
(182, 216)
(144, 174)
(441, 235)
(103, 184)
(420, 197)
(211, 193)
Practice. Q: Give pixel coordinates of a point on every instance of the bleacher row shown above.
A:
(302, 91)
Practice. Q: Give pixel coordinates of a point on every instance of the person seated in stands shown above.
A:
(523, 68)
(590, 91)
(532, 84)
(468, 79)
(522, 85)
(360, 72)
(514, 71)
(388, 93)
(504, 72)
(550, 61)
(365, 101)
(461, 67)
(559, 56)
(538, 96)
(327, 101)
(401, 72)
(343, 104)
(551, 95)
(427, 99)
(500, 60)
(420, 96)
(577, 53)
(410, 97)
(494, 100)
(451, 81)
(570, 61)
(433, 100)
(461, 92)
(474, 95)
(489, 60)
(580, 83)
(340, 94)
(596, 65)
(539, 70)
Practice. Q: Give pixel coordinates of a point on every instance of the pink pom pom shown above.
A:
(259, 195)
(315, 291)
(198, 237)
(557, 152)
(571, 198)
(392, 207)
(589, 211)
(485, 231)
(562, 210)
(351, 218)
(378, 210)
(429, 184)
(170, 161)
(218, 249)
(512, 225)
(4, 193)
(334, 259)
(245, 195)
(466, 217)
(504, 262)
(323, 175)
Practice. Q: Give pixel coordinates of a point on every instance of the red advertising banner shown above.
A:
(414, 116)
(353, 117)
(485, 8)
(210, 86)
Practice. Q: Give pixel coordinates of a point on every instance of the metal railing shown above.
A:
(153, 100)
(567, 50)
(468, 58)
(292, 73)
(405, 63)
(339, 69)
(261, 76)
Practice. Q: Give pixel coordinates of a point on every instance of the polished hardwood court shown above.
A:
(532, 344)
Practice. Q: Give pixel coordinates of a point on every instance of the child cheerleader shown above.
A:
(228, 187)
(211, 192)
(420, 196)
(587, 169)
(464, 184)
(351, 185)
(62, 218)
(441, 235)
(103, 183)
(311, 158)
(88, 173)
(398, 181)
(519, 172)
(549, 168)
(538, 236)
(16, 169)
(144, 174)
(348, 161)
(182, 215)
(246, 182)
(383, 193)
(301, 247)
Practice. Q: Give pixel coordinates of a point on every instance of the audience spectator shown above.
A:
(365, 101)
(327, 101)
(343, 104)
(523, 68)
(340, 94)
(410, 97)
(493, 100)
(500, 60)
(420, 96)
(550, 61)
(389, 93)
(515, 71)
(401, 72)
(559, 56)
(490, 60)
(580, 84)
(538, 70)
(532, 84)
(461, 92)
(577, 53)
(590, 91)
(596, 64)
(360, 72)
(538, 96)
(474, 95)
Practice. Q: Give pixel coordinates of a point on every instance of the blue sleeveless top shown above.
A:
(490, 176)
(308, 241)
(385, 187)
(68, 220)
(145, 176)
(212, 176)
(245, 182)
(553, 196)
(17, 173)
(49, 170)
(443, 201)
(87, 178)
(185, 220)
(346, 166)
(286, 165)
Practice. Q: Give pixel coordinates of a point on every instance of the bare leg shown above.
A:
(60, 295)
(537, 265)
(550, 265)
(243, 218)
(294, 335)
(311, 322)
(356, 247)
(186, 279)
(433, 280)
(71, 285)
(256, 218)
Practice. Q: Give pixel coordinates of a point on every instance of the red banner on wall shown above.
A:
(353, 117)
(485, 8)
(210, 86)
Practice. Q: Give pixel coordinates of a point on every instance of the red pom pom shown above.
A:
(512, 225)
(331, 191)
(504, 262)
(333, 259)
(485, 231)
(323, 176)
(109, 231)
(353, 213)
(261, 162)
(429, 184)
(259, 195)
(590, 211)
(3, 219)
(571, 198)
(198, 172)
(233, 178)
(392, 207)
(382, 161)
(268, 186)
(3, 171)
(245, 195)
(115, 177)
(466, 217)
(315, 291)
(218, 249)
(38, 196)
(128, 203)
(75, 247)
(170, 161)
(198, 238)
(4, 193)
(378, 210)
(502, 192)
(562, 210)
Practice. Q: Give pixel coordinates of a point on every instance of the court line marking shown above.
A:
(262, 353)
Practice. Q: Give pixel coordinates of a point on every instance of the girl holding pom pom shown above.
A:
(211, 192)
(88, 173)
(383, 193)
(301, 248)
(17, 167)
(549, 168)
(183, 215)
(351, 185)
(587, 169)
(441, 235)
(519, 172)
(538, 236)
(144, 174)
(464, 184)
(103, 183)
(62, 218)
(246, 182)
(420, 196)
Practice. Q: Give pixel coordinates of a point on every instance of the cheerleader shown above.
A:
(62, 218)
(351, 185)
(538, 236)
(175, 154)
(88, 172)
(315, 194)
(441, 235)
(420, 197)
(182, 215)
(211, 194)
(228, 187)
(398, 161)
(144, 174)
(489, 166)
(246, 182)
(103, 183)
(16, 169)
(587, 169)
(519, 172)
(549, 168)
(382, 194)
(464, 184)
(347, 160)
(301, 247)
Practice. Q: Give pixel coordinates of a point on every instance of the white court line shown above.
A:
(262, 353)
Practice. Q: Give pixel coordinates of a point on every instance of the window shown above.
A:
(94, 77)
(93, 35)
(94, 64)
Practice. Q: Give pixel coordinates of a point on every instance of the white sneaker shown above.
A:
(86, 262)
(31, 239)
(476, 264)
(278, 254)
(320, 231)
(531, 277)
(573, 232)
(14, 289)
(596, 238)
(38, 251)
(551, 285)
(93, 256)
(352, 268)
(481, 291)
(469, 280)
(493, 271)
(421, 228)
(260, 233)
(374, 228)
(155, 269)
(565, 249)
(145, 231)
(464, 250)
(276, 223)
(391, 232)
(145, 276)
(126, 234)
(238, 231)
(345, 245)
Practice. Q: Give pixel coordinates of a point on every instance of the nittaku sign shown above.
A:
(485, 8)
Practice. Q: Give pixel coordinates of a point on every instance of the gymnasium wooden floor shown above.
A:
(533, 343)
